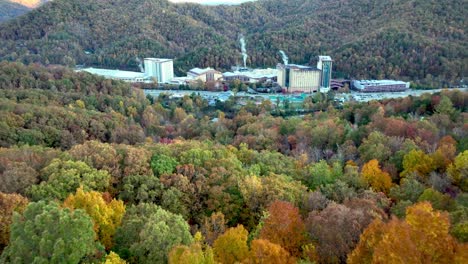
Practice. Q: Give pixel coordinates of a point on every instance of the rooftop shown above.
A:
(199, 71)
(297, 67)
(115, 73)
(379, 82)
(254, 74)
(325, 58)
(158, 59)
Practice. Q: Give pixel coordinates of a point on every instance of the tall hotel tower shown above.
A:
(325, 64)
(160, 69)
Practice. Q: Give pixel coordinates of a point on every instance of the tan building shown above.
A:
(298, 78)
(204, 75)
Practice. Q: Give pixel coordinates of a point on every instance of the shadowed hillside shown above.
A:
(408, 39)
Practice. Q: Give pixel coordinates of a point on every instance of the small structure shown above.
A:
(373, 86)
(337, 84)
(204, 75)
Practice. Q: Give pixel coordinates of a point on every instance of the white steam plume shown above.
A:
(140, 64)
(243, 50)
(285, 58)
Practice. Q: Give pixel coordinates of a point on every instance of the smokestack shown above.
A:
(243, 50)
(140, 64)
(285, 58)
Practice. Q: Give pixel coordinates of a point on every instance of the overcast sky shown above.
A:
(213, 2)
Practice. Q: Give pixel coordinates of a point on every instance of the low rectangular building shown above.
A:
(376, 86)
(126, 76)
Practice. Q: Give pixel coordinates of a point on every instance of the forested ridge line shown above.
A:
(414, 40)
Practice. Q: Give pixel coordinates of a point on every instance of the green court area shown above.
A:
(292, 98)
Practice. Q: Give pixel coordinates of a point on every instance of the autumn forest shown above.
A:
(92, 171)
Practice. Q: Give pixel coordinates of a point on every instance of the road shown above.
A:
(354, 95)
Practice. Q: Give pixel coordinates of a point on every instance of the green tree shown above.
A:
(63, 177)
(375, 147)
(162, 164)
(458, 171)
(320, 173)
(438, 200)
(409, 190)
(45, 233)
(148, 233)
(445, 107)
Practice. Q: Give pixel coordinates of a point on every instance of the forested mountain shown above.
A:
(9, 10)
(411, 39)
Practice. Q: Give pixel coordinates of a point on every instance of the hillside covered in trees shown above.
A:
(92, 171)
(418, 40)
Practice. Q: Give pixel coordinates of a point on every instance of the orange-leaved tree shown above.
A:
(9, 203)
(264, 252)
(423, 237)
(284, 226)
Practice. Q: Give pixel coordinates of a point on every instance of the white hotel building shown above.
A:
(156, 69)
(160, 69)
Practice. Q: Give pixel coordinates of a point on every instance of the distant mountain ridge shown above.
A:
(421, 40)
(9, 10)
(29, 3)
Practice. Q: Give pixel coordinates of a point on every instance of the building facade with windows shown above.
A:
(162, 70)
(295, 78)
(372, 86)
(325, 64)
(298, 78)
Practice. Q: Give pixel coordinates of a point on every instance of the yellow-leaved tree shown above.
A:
(106, 215)
(231, 247)
(196, 253)
(113, 258)
(379, 180)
